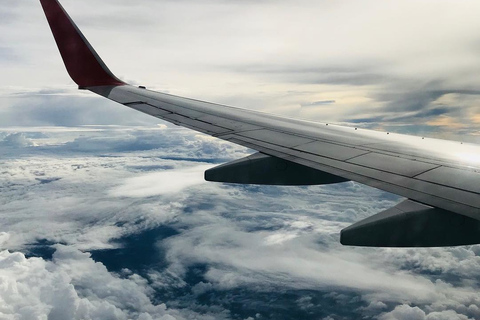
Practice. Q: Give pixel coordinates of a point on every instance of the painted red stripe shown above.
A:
(82, 62)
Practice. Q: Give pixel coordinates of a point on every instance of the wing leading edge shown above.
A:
(439, 177)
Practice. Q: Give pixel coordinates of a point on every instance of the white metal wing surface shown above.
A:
(439, 178)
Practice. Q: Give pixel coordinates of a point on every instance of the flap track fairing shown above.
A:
(260, 168)
(411, 224)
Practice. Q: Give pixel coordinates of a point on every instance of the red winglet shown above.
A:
(82, 62)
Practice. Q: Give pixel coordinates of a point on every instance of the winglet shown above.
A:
(82, 62)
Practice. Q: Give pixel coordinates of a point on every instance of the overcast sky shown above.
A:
(374, 62)
(104, 210)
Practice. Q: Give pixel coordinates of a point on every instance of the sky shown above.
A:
(104, 211)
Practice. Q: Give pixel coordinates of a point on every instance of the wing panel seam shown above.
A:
(380, 184)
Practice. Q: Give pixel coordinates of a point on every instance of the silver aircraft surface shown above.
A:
(439, 178)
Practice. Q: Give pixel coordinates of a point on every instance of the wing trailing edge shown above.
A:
(82, 62)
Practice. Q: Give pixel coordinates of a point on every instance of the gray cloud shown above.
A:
(226, 242)
(8, 55)
(318, 103)
(91, 188)
(73, 286)
(8, 12)
(415, 99)
(360, 74)
(404, 312)
(370, 76)
(46, 108)
(16, 140)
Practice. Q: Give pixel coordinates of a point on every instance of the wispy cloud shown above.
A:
(325, 53)
(161, 183)
(318, 103)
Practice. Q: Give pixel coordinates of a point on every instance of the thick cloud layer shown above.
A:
(113, 222)
(33, 288)
(97, 233)
(73, 286)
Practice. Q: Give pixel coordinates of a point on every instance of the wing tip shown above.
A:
(83, 64)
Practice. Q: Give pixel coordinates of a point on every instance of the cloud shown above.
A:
(64, 110)
(70, 165)
(406, 312)
(234, 243)
(73, 286)
(161, 183)
(318, 103)
(4, 236)
(240, 258)
(17, 140)
(329, 52)
(7, 54)
(7, 12)
(257, 241)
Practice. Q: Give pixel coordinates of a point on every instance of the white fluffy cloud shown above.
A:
(63, 187)
(73, 286)
(88, 187)
(406, 312)
(161, 183)
(16, 140)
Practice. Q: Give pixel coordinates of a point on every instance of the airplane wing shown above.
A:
(439, 178)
